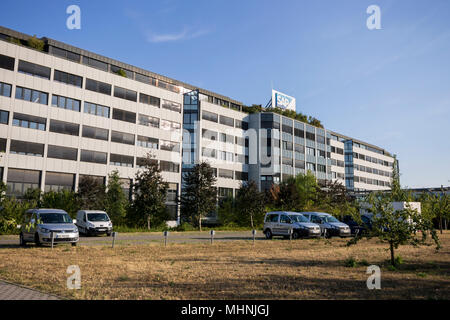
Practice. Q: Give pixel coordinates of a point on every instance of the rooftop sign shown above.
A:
(283, 101)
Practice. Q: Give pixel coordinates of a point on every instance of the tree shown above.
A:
(199, 196)
(36, 43)
(66, 200)
(438, 206)
(150, 192)
(116, 201)
(92, 193)
(334, 198)
(250, 203)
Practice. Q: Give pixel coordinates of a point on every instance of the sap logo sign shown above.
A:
(283, 101)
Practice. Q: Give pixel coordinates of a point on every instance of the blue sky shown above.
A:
(389, 87)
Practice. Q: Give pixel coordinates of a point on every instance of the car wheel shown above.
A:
(268, 234)
(37, 241)
(108, 234)
(74, 244)
(22, 241)
(295, 235)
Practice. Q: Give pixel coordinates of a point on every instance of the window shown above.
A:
(65, 54)
(125, 94)
(7, 62)
(226, 138)
(123, 115)
(310, 166)
(170, 125)
(96, 109)
(55, 181)
(31, 95)
(68, 78)
(243, 176)
(147, 142)
(150, 100)
(168, 166)
(33, 69)
(206, 115)
(299, 133)
(170, 105)
(98, 86)
(142, 162)
(225, 192)
(226, 156)
(310, 151)
(95, 133)
(321, 153)
(299, 148)
(300, 164)
(143, 78)
(210, 135)
(121, 160)
(93, 156)
(26, 148)
(227, 121)
(148, 121)
(172, 192)
(241, 124)
(95, 63)
(28, 121)
(170, 146)
(66, 103)
(122, 137)
(62, 127)
(5, 89)
(2, 149)
(65, 153)
(287, 129)
(4, 117)
(320, 139)
(321, 168)
(19, 181)
(287, 145)
(310, 136)
(116, 70)
(227, 174)
(240, 141)
(208, 152)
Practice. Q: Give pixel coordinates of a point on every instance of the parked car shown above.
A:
(279, 223)
(328, 224)
(356, 227)
(39, 224)
(94, 222)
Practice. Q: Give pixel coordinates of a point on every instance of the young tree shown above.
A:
(116, 201)
(250, 203)
(66, 200)
(438, 206)
(150, 193)
(92, 193)
(199, 196)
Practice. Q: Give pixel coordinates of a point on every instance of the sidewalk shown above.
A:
(9, 291)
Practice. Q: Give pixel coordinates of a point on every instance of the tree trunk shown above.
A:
(148, 222)
(392, 253)
(200, 223)
(251, 220)
(440, 224)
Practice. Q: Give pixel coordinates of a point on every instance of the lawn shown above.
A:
(277, 269)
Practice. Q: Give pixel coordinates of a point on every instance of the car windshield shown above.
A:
(298, 218)
(55, 217)
(97, 217)
(329, 219)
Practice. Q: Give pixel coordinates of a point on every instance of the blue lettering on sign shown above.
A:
(282, 101)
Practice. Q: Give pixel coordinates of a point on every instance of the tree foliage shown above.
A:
(250, 203)
(92, 193)
(116, 201)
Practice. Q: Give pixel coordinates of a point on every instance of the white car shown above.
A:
(93, 222)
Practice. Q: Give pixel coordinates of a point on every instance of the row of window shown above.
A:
(371, 159)
(372, 181)
(372, 170)
(214, 117)
(224, 155)
(223, 137)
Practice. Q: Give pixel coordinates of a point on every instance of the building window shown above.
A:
(243, 176)
(2, 147)
(172, 192)
(206, 115)
(147, 142)
(28, 121)
(227, 121)
(125, 94)
(4, 117)
(64, 153)
(31, 95)
(208, 152)
(144, 120)
(95, 133)
(95, 63)
(55, 181)
(5, 89)
(7, 62)
(93, 156)
(121, 160)
(299, 148)
(65, 54)
(300, 164)
(150, 100)
(66, 103)
(118, 70)
(68, 78)
(123, 115)
(142, 162)
(63, 127)
(169, 146)
(122, 137)
(96, 109)
(320, 139)
(170, 125)
(310, 151)
(168, 166)
(19, 181)
(321, 168)
(226, 138)
(310, 166)
(227, 174)
(170, 105)
(225, 193)
(310, 136)
(26, 148)
(33, 69)
(98, 86)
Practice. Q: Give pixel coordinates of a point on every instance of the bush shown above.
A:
(36, 43)
(351, 262)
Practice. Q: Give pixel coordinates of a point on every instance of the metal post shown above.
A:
(212, 235)
(114, 234)
(290, 233)
(52, 235)
(253, 234)
(166, 235)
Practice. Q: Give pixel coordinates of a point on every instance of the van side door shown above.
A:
(285, 224)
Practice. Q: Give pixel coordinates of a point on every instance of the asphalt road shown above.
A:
(151, 237)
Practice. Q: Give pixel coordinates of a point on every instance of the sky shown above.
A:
(389, 87)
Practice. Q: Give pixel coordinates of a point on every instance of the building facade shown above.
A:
(67, 113)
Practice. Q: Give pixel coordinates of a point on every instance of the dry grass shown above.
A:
(279, 269)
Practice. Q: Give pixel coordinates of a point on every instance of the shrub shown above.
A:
(351, 262)
(36, 43)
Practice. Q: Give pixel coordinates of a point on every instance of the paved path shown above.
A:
(9, 291)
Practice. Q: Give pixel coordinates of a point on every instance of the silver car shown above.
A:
(281, 223)
(329, 225)
(40, 224)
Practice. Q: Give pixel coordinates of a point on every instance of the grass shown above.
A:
(301, 269)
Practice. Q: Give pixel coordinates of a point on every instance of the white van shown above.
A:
(93, 222)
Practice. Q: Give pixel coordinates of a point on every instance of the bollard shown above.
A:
(52, 235)
(212, 232)
(290, 233)
(114, 234)
(166, 235)
(253, 234)
(325, 233)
